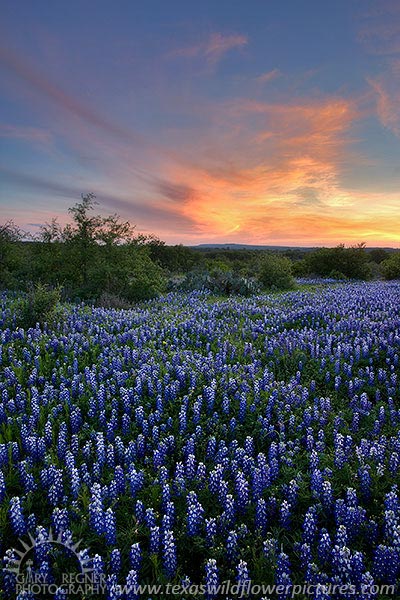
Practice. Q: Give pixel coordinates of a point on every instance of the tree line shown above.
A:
(103, 259)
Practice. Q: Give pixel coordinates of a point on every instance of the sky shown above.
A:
(271, 122)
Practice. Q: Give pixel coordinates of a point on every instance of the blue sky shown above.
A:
(273, 122)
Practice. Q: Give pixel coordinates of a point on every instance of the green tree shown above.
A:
(81, 239)
(275, 272)
(390, 268)
(10, 253)
(104, 255)
(47, 253)
(377, 255)
(350, 262)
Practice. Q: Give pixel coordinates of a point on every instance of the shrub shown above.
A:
(220, 283)
(145, 279)
(275, 272)
(351, 262)
(40, 305)
(390, 267)
(110, 300)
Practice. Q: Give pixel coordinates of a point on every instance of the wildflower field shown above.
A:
(195, 440)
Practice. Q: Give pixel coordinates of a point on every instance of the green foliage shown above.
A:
(275, 272)
(337, 275)
(350, 262)
(174, 259)
(10, 255)
(40, 305)
(145, 279)
(300, 268)
(390, 267)
(377, 255)
(95, 254)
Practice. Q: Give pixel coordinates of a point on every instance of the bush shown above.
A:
(40, 305)
(275, 272)
(145, 279)
(350, 262)
(109, 300)
(220, 283)
(390, 267)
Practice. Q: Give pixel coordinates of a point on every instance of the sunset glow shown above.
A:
(206, 122)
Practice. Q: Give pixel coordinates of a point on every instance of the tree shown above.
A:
(47, 254)
(81, 238)
(377, 255)
(348, 262)
(10, 235)
(105, 255)
(390, 268)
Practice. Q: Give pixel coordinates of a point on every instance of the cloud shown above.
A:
(268, 76)
(270, 163)
(63, 100)
(388, 102)
(176, 192)
(380, 35)
(379, 28)
(29, 134)
(214, 48)
(154, 210)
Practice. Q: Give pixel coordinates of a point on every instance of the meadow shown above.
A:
(195, 439)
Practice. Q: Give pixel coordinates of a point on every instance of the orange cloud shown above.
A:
(282, 187)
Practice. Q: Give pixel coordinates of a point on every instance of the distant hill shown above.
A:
(245, 247)
(230, 246)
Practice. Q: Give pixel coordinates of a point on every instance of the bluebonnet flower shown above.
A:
(132, 583)
(114, 591)
(211, 530)
(195, 514)
(243, 577)
(211, 578)
(242, 491)
(283, 574)
(261, 515)
(305, 555)
(96, 510)
(386, 563)
(285, 514)
(154, 540)
(16, 517)
(309, 526)
(150, 517)
(98, 564)
(115, 561)
(135, 557)
(341, 562)
(169, 553)
(232, 545)
(357, 567)
(60, 520)
(324, 547)
(110, 527)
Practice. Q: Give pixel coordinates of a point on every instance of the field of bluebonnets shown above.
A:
(198, 440)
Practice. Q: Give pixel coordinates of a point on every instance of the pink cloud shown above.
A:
(388, 102)
(30, 134)
(213, 48)
(268, 76)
